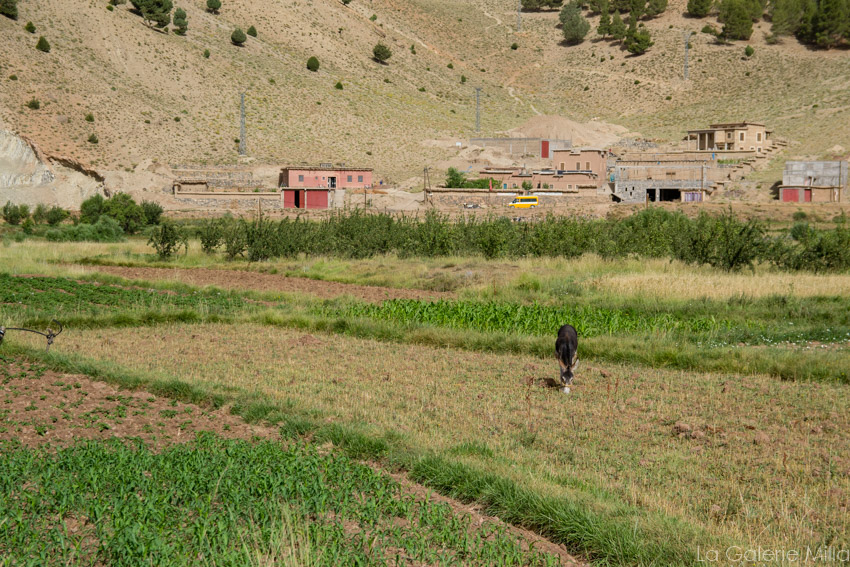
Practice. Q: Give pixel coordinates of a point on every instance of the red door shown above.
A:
(790, 195)
(317, 199)
(544, 149)
(808, 196)
(288, 199)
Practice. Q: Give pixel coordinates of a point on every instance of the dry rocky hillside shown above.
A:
(156, 99)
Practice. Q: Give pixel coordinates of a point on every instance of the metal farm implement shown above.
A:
(49, 335)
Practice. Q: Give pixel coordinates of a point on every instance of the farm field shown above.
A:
(709, 409)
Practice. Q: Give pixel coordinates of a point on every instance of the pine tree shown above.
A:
(156, 13)
(699, 8)
(213, 6)
(618, 28)
(637, 8)
(604, 27)
(737, 23)
(831, 23)
(238, 37)
(786, 16)
(252, 31)
(181, 23)
(655, 8)
(9, 8)
(573, 24)
(43, 45)
(639, 41)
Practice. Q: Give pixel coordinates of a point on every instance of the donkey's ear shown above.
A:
(574, 365)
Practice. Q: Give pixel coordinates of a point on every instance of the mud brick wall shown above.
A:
(217, 178)
(248, 202)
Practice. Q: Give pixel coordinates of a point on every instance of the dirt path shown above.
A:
(49, 407)
(240, 279)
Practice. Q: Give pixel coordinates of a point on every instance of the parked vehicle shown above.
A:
(524, 203)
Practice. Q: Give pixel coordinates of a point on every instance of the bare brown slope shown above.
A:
(137, 81)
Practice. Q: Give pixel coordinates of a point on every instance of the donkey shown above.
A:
(566, 349)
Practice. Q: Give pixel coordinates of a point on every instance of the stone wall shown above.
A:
(216, 178)
(232, 202)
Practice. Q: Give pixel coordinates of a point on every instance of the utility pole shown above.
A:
(518, 15)
(478, 109)
(687, 47)
(243, 145)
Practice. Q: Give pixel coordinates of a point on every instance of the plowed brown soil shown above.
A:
(241, 279)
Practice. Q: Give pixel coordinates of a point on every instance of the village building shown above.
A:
(814, 182)
(734, 136)
(575, 174)
(321, 187)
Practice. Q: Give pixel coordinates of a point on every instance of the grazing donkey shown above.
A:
(566, 349)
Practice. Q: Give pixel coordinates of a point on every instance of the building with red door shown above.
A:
(814, 182)
(321, 187)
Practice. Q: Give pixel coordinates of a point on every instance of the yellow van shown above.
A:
(524, 203)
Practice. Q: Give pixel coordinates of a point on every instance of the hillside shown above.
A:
(155, 97)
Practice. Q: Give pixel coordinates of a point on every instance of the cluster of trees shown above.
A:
(825, 23)
(723, 241)
(541, 4)
(20, 214)
(456, 179)
(634, 36)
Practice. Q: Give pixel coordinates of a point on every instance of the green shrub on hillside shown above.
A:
(639, 41)
(313, 64)
(30, 27)
(93, 139)
(43, 45)
(381, 53)
(213, 6)
(9, 8)
(618, 27)
(124, 209)
(238, 37)
(33, 104)
(252, 31)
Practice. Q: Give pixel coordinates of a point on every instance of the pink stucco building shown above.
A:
(320, 187)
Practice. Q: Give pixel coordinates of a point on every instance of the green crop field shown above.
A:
(708, 412)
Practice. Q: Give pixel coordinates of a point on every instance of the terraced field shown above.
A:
(696, 422)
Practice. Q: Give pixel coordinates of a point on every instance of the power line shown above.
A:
(243, 142)
(478, 109)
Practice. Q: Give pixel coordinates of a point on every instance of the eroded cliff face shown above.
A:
(19, 163)
(27, 176)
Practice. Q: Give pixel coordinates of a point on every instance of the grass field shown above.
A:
(680, 432)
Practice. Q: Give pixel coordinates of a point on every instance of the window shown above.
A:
(758, 137)
(728, 135)
(587, 165)
(562, 168)
(578, 166)
(359, 179)
(349, 178)
(741, 136)
(301, 178)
